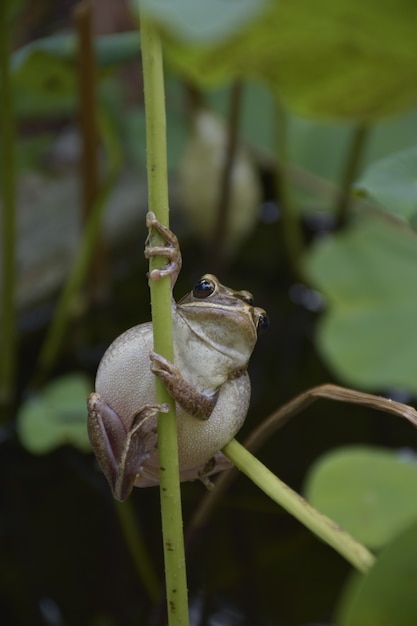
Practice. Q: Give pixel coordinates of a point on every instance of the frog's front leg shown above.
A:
(193, 402)
(171, 250)
(120, 451)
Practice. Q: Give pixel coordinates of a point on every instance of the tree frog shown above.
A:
(214, 333)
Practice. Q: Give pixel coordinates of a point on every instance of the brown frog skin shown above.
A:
(214, 333)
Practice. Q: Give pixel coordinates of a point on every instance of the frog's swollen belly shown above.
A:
(200, 440)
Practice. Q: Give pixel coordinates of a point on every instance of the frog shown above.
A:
(215, 329)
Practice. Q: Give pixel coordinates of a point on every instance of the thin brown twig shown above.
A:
(89, 166)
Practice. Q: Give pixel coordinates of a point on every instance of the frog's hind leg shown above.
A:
(120, 452)
(218, 463)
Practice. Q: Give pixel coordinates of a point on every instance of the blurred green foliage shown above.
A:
(56, 416)
(386, 595)
(368, 491)
(327, 59)
(367, 275)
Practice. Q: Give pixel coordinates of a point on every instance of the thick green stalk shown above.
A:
(175, 573)
(8, 200)
(319, 524)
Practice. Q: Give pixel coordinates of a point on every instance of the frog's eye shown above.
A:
(204, 288)
(262, 322)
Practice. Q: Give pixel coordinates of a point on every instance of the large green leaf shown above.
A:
(368, 276)
(44, 84)
(392, 182)
(386, 596)
(370, 492)
(56, 417)
(347, 58)
(199, 20)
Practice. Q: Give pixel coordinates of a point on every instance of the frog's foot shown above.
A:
(193, 402)
(217, 463)
(120, 452)
(204, 474)
(140, 442)
(171, 250)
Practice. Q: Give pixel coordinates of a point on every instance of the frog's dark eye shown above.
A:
(262, 322)
(204, 288)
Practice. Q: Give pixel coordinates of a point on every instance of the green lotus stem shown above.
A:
(8, 195)
(291, 223)
(156, 158)
(358, 142)
(319, 524)
(137, 548)
(56, 332)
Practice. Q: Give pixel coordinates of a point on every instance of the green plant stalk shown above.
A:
(291, 225)
(358, 142)
(156, 158)
(56, 332)
(319, 524)
(79, 271)
(87, 114)
(7, 181)
(137, 549)
(218, 243)
(267, 429)
(86, 69)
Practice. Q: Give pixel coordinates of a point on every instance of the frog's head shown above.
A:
(223, 318)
